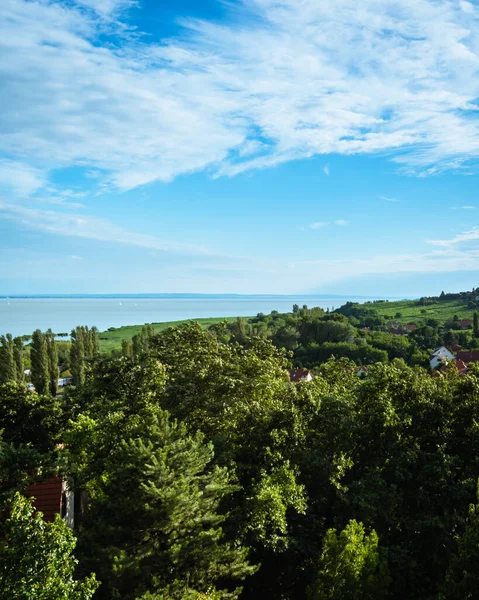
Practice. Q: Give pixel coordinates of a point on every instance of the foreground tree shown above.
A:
(37, 558)
(462, 577)
(152, 523)
(351, 567)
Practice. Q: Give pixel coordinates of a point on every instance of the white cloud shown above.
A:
(301, 78)
(468, 207)
(20, 178)
(74, 225)
(326, 170)
(388, 199)
(107, 8)
(319, 224)
(460, 238)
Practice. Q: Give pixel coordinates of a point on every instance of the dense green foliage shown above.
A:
(36, 558)
(351, 567)
(204, 473)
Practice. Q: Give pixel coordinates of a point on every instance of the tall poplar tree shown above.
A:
(52, 362)
(39, 360)
(77, 356)
(8, 370)
(94, 342)
(476, 325)
(18, 355)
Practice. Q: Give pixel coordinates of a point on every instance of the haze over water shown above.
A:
(21, 316)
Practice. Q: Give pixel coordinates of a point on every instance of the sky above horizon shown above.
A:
(242, 146)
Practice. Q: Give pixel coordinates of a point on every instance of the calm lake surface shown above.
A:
(20, 316)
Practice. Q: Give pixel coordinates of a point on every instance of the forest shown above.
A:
(201, 472)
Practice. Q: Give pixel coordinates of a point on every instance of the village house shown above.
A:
(440, 356)
(468, 356)
(296, 375)
(458, 364)
(51, 497)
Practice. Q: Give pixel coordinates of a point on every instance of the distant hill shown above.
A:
(442, 308)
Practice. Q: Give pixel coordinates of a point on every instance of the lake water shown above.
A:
(20, 316)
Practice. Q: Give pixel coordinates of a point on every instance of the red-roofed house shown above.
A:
(458, 364)
(52, 496)
(397, 332)
(461, 366)
(468, 356)
(465, 324)
(410, 327)
(296, 375)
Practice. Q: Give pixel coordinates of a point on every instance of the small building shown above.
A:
(410, 327)
(296, 375)
(464, 324)
(439, 359)
(51, 497)
(440, 355)
(468, 356)
(458, 364)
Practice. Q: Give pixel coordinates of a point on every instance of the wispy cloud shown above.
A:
(326, 170)
(388, 199)
(298, 79)
(319, 224)
(75, 225)
(20, 178)
(468, 207)
(107, 8)
(460, 238)
(322, 224)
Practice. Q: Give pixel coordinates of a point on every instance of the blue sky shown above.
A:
(250, 146)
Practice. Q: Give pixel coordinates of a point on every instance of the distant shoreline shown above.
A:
(173, 295)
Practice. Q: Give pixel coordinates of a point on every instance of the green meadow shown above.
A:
(112, 339)
(410, 310)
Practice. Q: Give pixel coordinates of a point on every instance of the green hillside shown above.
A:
(112, 339)
(412, 310)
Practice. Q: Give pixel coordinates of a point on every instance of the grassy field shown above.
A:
(411, 311)
(109, 340)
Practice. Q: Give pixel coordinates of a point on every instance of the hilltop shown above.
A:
(421, 310)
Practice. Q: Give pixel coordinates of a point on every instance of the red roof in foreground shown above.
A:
(47, 496)
(458, 364)
(298, 374)
(410, 327)
(468, 356)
